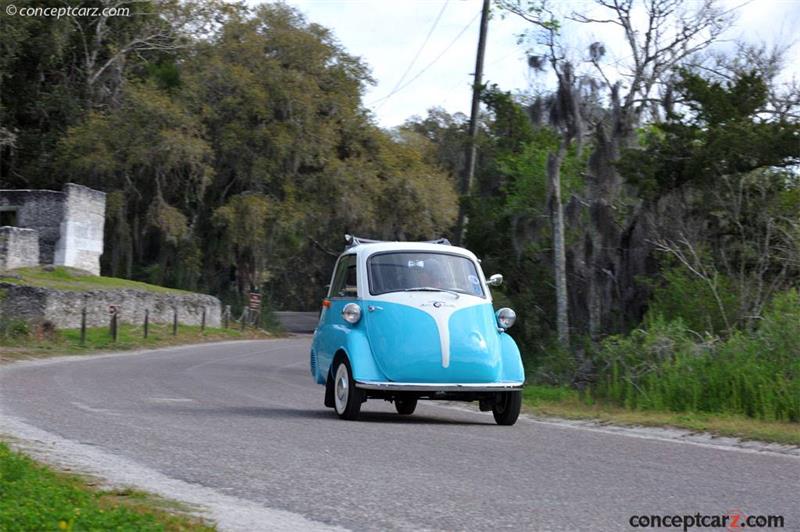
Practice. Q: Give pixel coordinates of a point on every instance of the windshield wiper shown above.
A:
(433, 289)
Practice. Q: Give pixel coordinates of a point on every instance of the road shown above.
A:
(243, 420)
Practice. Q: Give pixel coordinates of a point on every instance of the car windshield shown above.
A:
(423, 271)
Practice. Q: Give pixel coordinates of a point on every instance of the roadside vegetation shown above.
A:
(36, 497)
(568, 403)
(746, 384)
(63, 278)
(19, 341)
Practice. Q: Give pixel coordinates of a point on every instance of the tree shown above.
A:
(152, 150)
(565, 117)
(670, 34)
(729, 166)
(245, 222)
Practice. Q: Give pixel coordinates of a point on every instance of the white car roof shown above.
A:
(367, 249)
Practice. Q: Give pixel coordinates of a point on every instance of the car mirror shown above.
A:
(495, 280)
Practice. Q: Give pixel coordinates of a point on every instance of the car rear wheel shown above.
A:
(506, 408)
(405, 407)
(346, 397)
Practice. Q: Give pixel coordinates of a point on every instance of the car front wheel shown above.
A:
(347, 398)
(506, 408)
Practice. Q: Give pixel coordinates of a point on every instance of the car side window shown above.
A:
(345, 280)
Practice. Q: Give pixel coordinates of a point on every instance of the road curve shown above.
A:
(243, 419)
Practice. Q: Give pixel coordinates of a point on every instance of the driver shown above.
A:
(428, 274)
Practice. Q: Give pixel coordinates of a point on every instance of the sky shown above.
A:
(422, 52)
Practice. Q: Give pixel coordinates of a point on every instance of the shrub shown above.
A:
(667, 366)
(682, 295)
(13, 329)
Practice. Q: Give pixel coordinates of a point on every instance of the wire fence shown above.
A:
(249, 318)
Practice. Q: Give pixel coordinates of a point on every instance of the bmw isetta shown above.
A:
(404, 321)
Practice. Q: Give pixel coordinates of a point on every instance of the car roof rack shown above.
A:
(353, 241)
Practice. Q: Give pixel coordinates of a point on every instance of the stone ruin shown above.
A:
(46, 227)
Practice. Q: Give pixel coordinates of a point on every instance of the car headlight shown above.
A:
(506, 317)
(351, 313)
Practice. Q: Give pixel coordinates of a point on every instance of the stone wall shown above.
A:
(42, 210)
(19, 248)
(63, 307)
(80, 243)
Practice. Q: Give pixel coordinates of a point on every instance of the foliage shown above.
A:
(244, 221)
(724, 172)
(33, 497)
(666, 366)
(179, 114)
(567, 403)
(683, 296)
(720, 133)
(63, 278)
(12, 330)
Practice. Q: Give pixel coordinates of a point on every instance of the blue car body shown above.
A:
(436, 343)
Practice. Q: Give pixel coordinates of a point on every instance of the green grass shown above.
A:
(36, 497)
(67, 341)
(567, 403)
(63, 278)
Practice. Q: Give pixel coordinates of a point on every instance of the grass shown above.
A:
(36, 497)
(67, 341)
(63, 278)
(567, 403)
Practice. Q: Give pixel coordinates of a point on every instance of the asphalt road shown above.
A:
(298, 322)
(245, 420)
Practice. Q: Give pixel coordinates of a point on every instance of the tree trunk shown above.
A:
(556, 209)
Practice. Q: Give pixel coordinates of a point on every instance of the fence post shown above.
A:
(83, 325)
(114, 327)
(203, 322)
(226, 315)
(146, 321)
(174, 321)
(245, 313)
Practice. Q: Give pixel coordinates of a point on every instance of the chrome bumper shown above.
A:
(441, 386)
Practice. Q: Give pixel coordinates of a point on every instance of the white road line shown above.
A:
(94, 410)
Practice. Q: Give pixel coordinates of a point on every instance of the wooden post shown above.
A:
(469, 171)
(146, 321)
(174, 321)
(226, 316)
(114, 327)
(83, 325)
(244, 317)
(203, 322)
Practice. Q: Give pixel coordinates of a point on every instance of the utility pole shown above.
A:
(469, 172)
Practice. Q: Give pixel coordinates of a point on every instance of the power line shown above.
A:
(449, 90)
(421, 72)
(416, 56)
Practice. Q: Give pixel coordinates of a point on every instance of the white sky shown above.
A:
(387, 34)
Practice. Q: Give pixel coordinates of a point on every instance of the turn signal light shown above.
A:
(326, 303)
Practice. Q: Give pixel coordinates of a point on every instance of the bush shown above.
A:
(682, 295)
(667, 366)
(13, 329)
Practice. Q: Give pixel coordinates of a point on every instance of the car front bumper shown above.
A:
(440, 386)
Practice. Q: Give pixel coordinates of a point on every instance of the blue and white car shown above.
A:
(405, 321)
